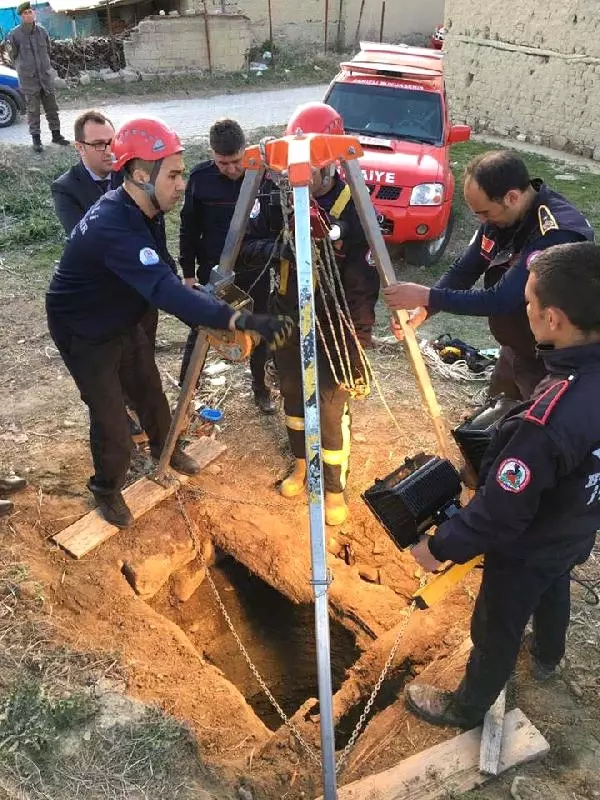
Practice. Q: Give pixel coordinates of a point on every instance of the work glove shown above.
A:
(274, 330)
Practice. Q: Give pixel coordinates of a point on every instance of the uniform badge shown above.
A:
(149, 256)
(487, 245)
(546, 220)
(255, 209)
(513, 475)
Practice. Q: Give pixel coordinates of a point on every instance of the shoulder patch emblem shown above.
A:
(148, 256)
(255, 209)
(513, 475)
(547, 220)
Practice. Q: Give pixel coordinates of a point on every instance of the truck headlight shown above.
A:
(427, 194)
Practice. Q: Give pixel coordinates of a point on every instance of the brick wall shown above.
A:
(179, 43)
(531, 70)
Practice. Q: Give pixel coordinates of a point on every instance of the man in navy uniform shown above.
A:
(114, 267)
(519, 218)
(210, 197)
(537, 508)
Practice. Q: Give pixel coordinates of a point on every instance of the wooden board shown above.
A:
(92, 530)
(491, 736)
(452, 766)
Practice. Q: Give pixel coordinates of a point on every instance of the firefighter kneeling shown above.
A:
(346, 291)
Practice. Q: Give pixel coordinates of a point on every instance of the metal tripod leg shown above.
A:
(223, 274)
(312, 438)
(368, 218)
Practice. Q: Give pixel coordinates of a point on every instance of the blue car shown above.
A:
(12, 100)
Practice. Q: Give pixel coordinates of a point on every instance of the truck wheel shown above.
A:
(8, 110)
(425, 254)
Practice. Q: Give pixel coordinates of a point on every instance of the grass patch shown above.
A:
(59, 737)
(289, 68)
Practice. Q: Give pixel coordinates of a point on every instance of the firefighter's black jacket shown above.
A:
(539, 494)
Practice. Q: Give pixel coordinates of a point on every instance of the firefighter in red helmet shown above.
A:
(114, 267)
(345, 296)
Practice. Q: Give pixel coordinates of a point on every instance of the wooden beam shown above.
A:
(491, 736)
(92, 530)
(452, 766)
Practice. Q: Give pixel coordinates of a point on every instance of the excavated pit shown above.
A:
(278, 634)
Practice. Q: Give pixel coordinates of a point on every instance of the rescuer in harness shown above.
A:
(347, 288)
(520, 217)
(114, 267)
(537, 508)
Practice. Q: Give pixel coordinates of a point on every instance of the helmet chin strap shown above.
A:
(149, 188)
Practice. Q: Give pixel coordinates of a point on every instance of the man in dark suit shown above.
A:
(76, 190)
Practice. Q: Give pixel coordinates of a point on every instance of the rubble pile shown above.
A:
(70, 57)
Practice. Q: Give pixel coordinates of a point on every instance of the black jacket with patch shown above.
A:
(539, 494)
(501, 256)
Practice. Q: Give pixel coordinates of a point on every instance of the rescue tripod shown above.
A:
(295, 157)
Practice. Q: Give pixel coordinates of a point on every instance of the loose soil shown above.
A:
(166, 648)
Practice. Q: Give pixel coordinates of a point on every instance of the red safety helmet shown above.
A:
(315, 118)
(145, 138)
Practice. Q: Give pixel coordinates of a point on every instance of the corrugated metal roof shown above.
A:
(81, 5)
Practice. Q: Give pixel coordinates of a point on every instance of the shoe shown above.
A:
(37, 143)
(295, 482)
(113, 508)
(181, 462)
(135, 429)
(439, 707)
(336, 510)
(12, 483)
(6, 506)
(58, 138)
(540, 671)
(264, 400)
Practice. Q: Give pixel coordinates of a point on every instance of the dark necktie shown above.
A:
(104, 185)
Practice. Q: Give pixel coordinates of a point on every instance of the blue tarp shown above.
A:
(59, 26)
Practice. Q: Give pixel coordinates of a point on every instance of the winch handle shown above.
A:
(428, 595)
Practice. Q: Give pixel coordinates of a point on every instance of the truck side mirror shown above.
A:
(459, 133)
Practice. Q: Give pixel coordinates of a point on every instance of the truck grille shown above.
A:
(388, 193)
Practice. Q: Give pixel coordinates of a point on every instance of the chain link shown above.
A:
(310, 751)
(352, 740)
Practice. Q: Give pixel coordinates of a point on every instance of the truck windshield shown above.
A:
(392, 112)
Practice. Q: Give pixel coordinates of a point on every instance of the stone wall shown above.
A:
(167, 44)
(304, 22)
(531, 70)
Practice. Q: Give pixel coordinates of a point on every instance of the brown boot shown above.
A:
(295, 482)
(336, 510)
(439, 707)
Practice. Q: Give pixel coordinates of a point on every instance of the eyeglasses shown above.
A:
(99, 146)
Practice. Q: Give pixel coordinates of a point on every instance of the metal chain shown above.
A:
(310, 752)
(352, 740)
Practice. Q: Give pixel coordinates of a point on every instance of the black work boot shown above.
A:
(112, 506)
(180, 461)
(37, 143)
(58, 138)
(12, 483)
(6, 506)
(539, 670)
(439, 707)
(264, 400)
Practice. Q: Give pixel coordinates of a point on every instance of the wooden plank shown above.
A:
(452, 766)
(491, 736)
(92, 530)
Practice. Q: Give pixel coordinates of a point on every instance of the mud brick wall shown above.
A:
(527, 69)
(304, 22)
(179, 43)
